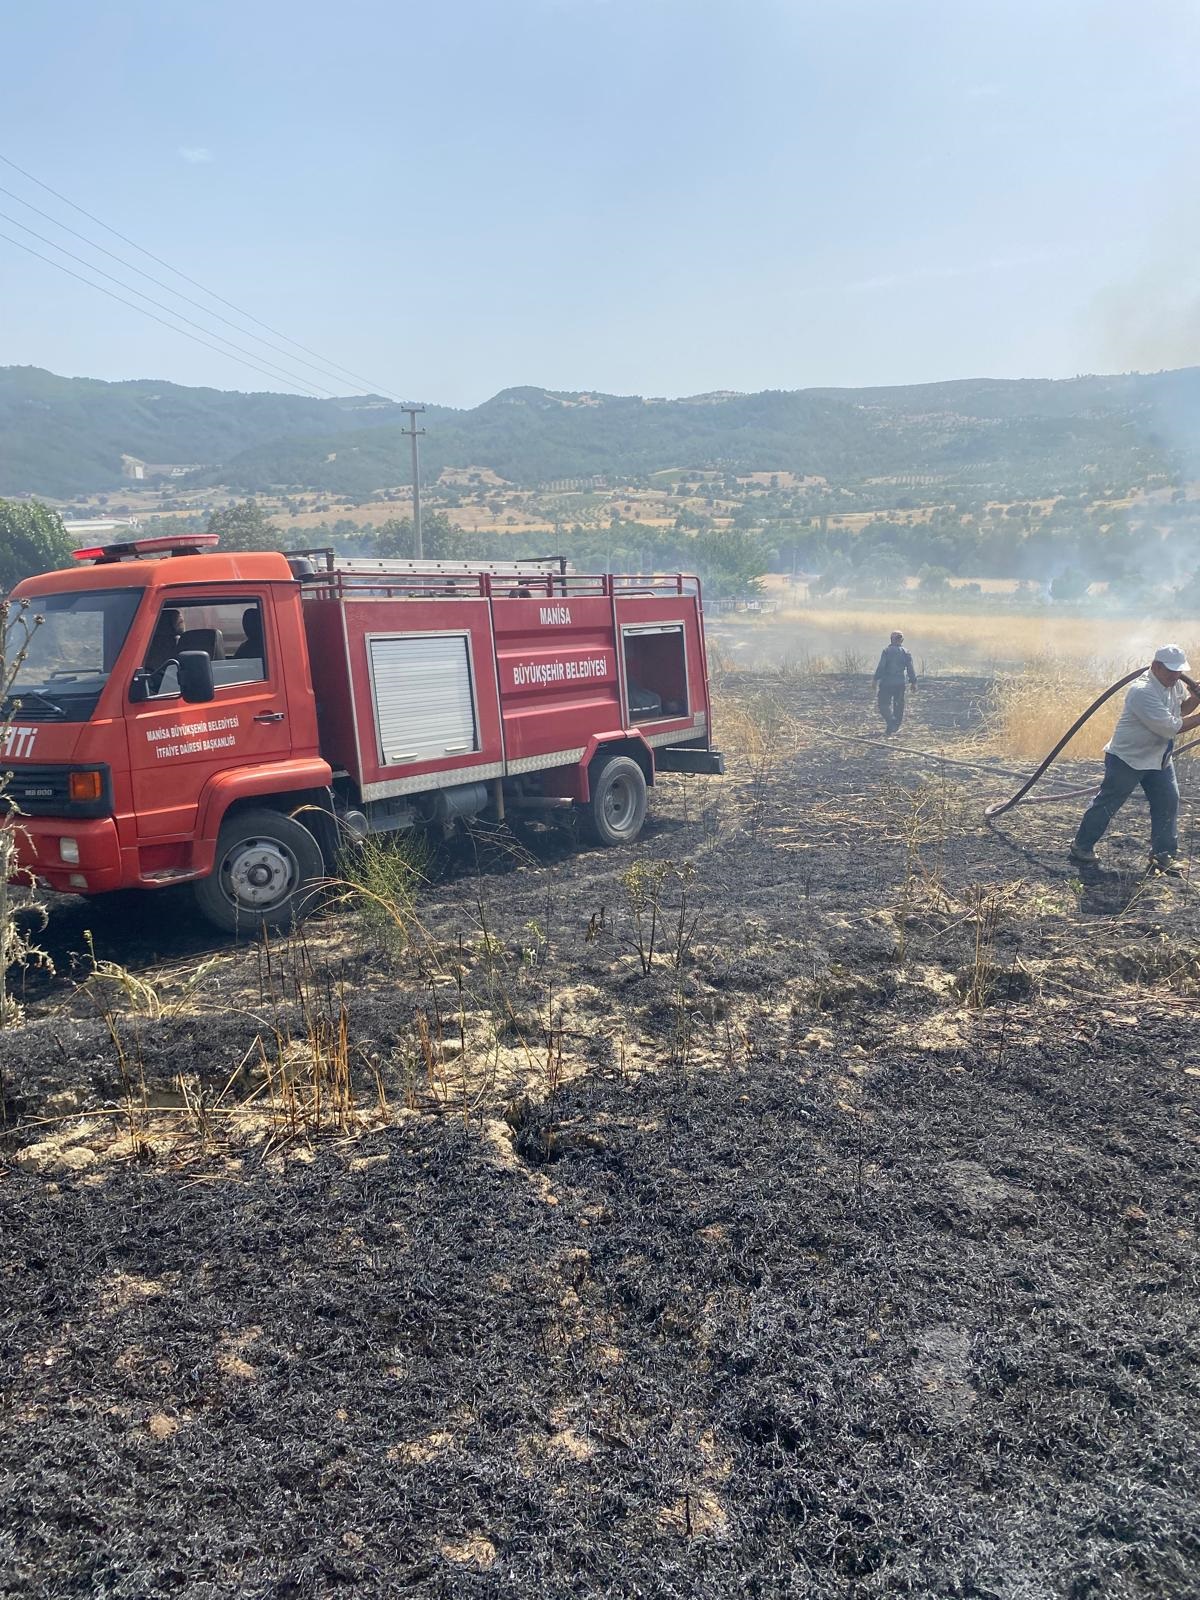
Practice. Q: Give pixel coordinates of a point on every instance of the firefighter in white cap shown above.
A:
(1158, 706)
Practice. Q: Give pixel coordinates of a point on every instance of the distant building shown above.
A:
(101, 527)
(139, 471)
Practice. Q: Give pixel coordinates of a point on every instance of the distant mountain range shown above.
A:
(67, 436)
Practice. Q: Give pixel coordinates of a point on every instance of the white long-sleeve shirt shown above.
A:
(1150, 719)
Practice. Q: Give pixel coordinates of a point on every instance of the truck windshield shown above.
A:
(70, 643)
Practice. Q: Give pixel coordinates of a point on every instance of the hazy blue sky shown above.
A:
(639, 196)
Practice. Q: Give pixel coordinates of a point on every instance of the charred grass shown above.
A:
(803, 1203)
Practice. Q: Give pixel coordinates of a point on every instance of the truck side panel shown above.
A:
(328, 653)
(421, 692)
(409, 697)
(558, 676)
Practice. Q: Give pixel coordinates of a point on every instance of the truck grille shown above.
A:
(40, 791)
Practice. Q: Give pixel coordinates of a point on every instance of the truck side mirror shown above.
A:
(196, 676)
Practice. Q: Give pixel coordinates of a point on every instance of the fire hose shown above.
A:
(999, 807)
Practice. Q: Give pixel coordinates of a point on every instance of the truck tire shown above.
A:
(263, 874)
(617, 809)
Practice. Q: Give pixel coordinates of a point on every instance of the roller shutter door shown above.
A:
(424, 700)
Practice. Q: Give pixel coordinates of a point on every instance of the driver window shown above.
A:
(229, 631)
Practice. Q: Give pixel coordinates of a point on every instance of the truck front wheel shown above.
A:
(263, 875)
(617, 809)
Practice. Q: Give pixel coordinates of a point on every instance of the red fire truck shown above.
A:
(231, 720)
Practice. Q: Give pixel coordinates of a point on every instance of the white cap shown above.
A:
(1173, 658)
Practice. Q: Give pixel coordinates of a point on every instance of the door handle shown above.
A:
(268, 716)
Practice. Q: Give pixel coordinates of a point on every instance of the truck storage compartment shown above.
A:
(423, 693)
(656, 681)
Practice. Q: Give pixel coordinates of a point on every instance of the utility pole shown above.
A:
(414, 433)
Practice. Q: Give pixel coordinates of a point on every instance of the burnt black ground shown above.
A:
(814, 1282)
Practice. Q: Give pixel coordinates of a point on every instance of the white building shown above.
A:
(102, 527)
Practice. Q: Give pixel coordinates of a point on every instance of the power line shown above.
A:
(278, 372)
(212, 294)
(129, 266)
(174, 329)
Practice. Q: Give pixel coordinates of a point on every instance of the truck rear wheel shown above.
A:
(617, 809)
(263, 875)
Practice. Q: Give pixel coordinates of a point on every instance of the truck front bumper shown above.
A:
(70, 856)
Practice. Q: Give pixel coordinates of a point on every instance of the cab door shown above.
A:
(176, 747)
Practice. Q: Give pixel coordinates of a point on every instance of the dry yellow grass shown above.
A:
(1029, 711)
(1091, 642)
(1032, 709)
(1048, 669)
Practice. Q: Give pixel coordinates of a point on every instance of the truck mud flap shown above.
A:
(678, 758)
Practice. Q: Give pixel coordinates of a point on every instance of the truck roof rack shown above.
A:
(328, 560)
(459, 581)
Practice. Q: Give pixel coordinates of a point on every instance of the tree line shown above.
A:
(1145, 552)
(1141, 551)
(729, 561)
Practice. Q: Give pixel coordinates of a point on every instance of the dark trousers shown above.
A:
(1120, 780)
(891, 704)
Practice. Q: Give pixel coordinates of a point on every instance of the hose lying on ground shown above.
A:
(936, 755)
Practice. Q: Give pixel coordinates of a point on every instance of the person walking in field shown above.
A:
(895, 666)
(1158, 706)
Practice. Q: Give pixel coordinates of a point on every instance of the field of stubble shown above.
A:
(800, 1203)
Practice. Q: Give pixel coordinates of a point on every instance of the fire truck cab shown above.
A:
(179, 714)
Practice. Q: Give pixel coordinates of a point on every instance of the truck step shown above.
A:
(680, 759)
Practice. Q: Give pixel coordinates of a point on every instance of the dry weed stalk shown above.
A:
(18, 624)
(380, 887)
(133, 1079)
(798, 664)
(987, 911)
(922, 816)
(308, 1071)
(471, 1097)
(760, 734)
(142, 995)
(643, 884)
(554, 1052)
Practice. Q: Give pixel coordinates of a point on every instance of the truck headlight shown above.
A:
(68, 849)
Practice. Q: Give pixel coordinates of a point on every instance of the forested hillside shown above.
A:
(61, 436)
(64, 436)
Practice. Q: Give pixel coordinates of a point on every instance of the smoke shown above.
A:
(1151, 322)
